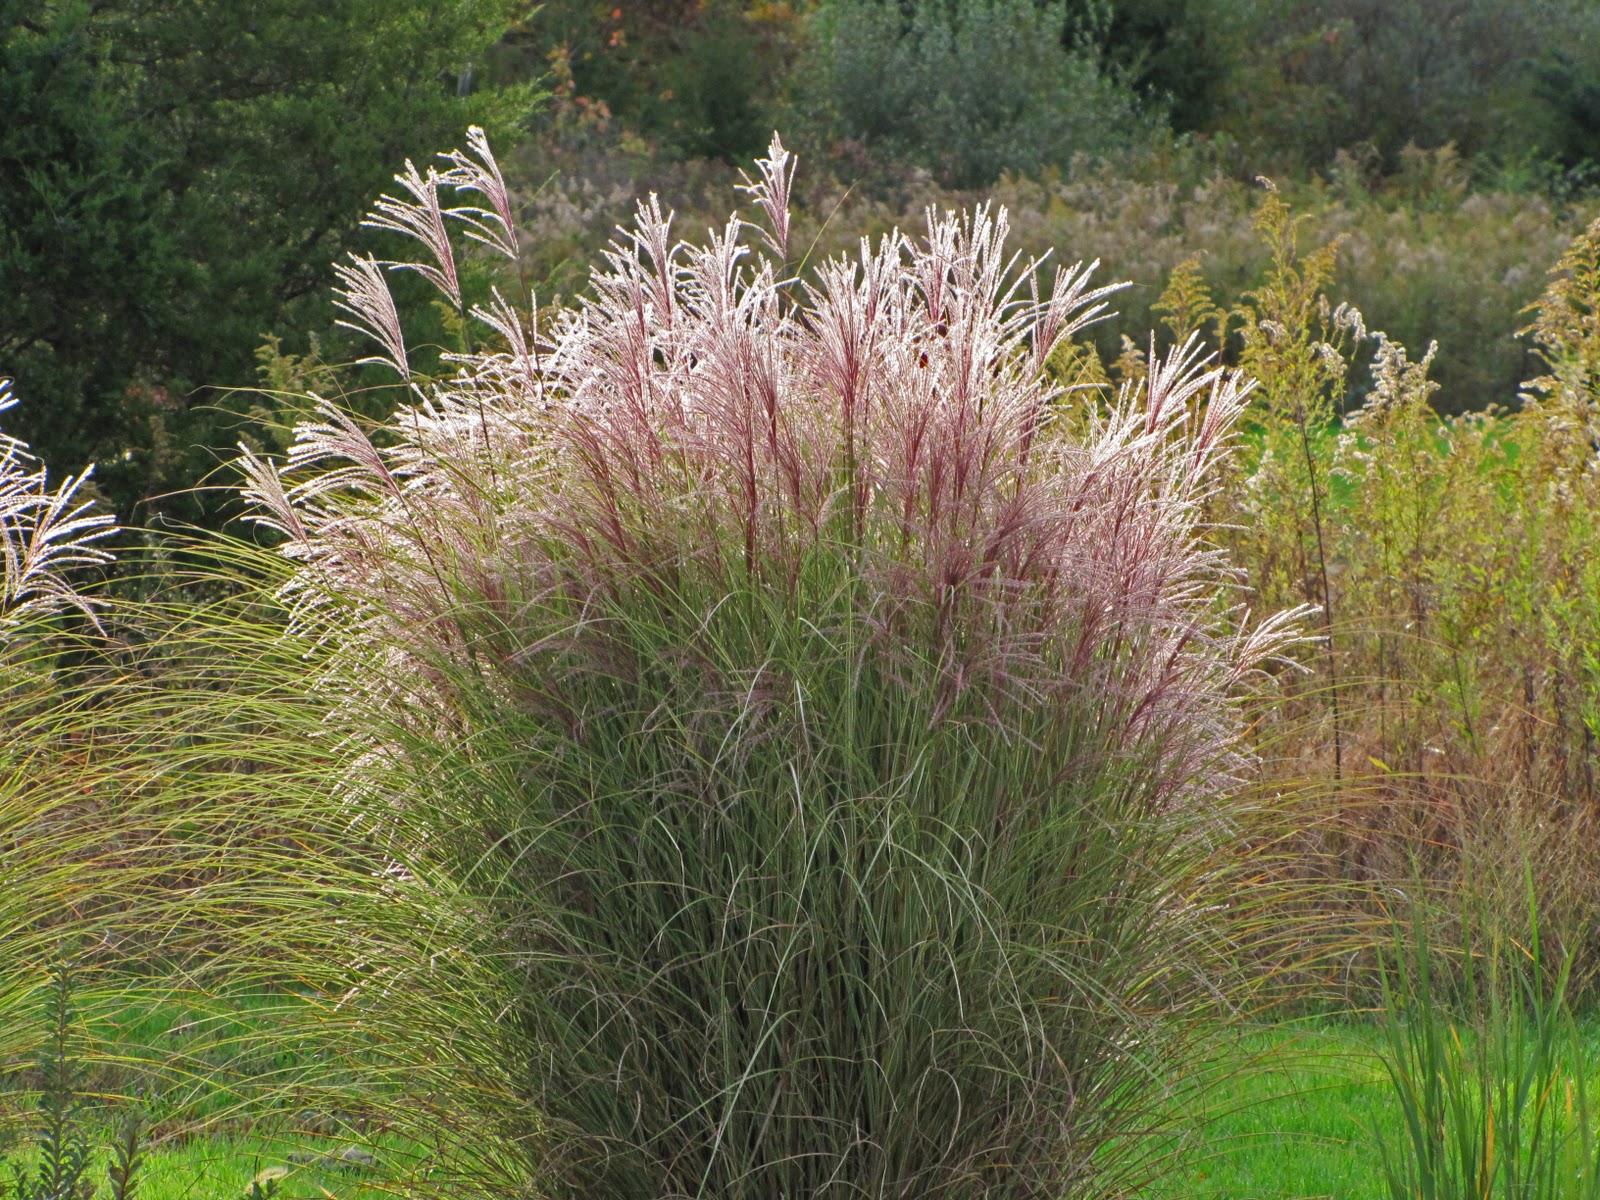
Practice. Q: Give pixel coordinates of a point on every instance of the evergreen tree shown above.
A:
(180, 176)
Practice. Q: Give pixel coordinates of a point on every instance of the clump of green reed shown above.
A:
(44, 533)
(167, 807)
(1493, 1079)
(821, 749)
(171, 809)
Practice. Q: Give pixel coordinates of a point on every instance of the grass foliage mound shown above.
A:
(821, 727)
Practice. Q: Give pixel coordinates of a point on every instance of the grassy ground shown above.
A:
(1297, 1124)
(223, 1168)
(1300, 1126)
(1303, 1124)
(219, 1110)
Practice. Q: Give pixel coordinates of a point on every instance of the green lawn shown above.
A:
(209, 1135)
(222, 1168)
(1300, 1124)
(1297, 1121)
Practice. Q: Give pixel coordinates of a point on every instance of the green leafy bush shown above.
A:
(969, 88)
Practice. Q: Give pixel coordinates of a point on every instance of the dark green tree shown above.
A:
(1567, 84)
(1178, 54)
(695, 77)
(180, 174)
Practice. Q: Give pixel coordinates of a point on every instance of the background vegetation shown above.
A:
(184, 173)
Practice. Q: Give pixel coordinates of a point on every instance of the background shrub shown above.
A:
(1451, 710)
(1501, 85)
(970, 89)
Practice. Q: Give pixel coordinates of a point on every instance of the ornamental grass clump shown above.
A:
(46, 534)
(829, 744)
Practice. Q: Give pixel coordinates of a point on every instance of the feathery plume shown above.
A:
(364, 293)
(692, 416)
(421, 218)
(477, 171)
(43, 533)
(771, 193)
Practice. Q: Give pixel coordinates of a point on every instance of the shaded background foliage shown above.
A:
(180, 176)
(182, 172)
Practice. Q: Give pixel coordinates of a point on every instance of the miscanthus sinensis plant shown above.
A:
(43, 534)
(829, 744)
